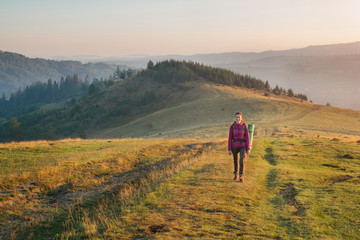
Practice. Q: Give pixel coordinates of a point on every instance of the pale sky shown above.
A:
(49, 28)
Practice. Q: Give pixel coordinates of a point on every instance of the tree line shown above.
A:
(29, 98)
(171, 71)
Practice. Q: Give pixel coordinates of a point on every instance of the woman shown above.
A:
(238, 143)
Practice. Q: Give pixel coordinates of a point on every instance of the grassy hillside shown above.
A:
(207, 110)
(174, 189)
(179, 99)
(159, 86)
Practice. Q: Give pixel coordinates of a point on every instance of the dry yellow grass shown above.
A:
(41, 179)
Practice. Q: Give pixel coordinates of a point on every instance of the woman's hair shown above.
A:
(239, 113)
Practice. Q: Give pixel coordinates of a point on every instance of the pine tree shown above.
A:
(290, 92)
(150, 65)
(267, 86)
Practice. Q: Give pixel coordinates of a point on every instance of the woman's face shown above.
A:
(238, 118)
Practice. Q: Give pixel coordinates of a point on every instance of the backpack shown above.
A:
(233, 132)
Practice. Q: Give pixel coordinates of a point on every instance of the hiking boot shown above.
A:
(241, 178)
(236, 177)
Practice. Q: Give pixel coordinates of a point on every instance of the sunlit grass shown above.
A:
(285, 197)
(55, 176)
(295, 188)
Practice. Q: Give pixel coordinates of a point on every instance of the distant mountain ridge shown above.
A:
(325, 73)
(17, 70)
(240, 57)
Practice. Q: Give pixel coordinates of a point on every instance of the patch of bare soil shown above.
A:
(333, 166)
(336, 179)
(288, 193)
(157, 228)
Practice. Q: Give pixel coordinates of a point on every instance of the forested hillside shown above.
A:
(17, 71)
(31, 98)
(159, 86)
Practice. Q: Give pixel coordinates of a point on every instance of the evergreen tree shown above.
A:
(267, 86)
(93, 89)
(276, 90)
(117, 73)
(129, 73)
(290, 93)
(150, 65)
(123, 74)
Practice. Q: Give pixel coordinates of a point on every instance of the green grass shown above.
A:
(57, 160)
(295, 196)
(43, 181)
(295, 188)
(207, 110)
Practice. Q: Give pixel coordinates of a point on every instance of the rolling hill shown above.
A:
(325, 73)
(182, 100)
(211, 110)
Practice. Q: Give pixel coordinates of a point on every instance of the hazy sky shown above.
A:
(48, 28)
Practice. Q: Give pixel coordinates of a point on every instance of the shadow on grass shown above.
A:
(205, 168)
(269, 156)
(271, 179)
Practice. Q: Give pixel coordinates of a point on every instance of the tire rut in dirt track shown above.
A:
(65, 197)
(119, 180)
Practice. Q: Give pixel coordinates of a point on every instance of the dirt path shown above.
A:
(203, 201)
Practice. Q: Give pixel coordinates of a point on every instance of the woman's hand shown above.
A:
(229, 152)
(248, 151)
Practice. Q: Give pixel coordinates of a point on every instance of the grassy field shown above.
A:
(302, 177)
(43, 182)
(292, 190)
(295, 188)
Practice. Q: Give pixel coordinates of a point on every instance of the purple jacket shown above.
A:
(241, 139)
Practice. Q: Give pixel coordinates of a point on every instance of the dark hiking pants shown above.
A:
(235, 152)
